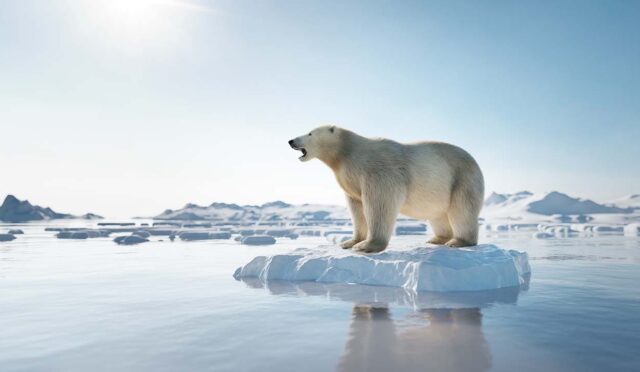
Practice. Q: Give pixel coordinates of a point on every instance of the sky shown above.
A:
(130, 107)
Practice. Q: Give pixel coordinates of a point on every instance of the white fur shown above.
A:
(381, 178)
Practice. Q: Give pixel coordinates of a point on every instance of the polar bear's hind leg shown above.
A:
(466, 201)
(442, 230)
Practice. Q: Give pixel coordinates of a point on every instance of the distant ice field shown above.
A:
(78, 305)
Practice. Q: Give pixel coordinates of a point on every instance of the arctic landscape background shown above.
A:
(127, 108)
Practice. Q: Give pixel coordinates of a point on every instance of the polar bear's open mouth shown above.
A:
(304, 152)
(302, 149)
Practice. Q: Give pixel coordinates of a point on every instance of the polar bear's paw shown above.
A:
(370, 246)
(457, 243)
(438, 240)
(349, 243)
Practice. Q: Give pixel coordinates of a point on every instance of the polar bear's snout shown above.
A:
(294, 143)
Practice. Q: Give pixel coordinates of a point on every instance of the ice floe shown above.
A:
(130, 240)
(204, 235)
(632, 229)
(6, 237)
(437, 269)
(258, 240)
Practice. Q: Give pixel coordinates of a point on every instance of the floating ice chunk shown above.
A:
(141, 233)
(419, 229)
(130, 240)
(203, 235)
(500, 227)
(542, 235)
(608, 228)
(258, 240)
(80, 235)
(279, 233)
(632, 229)
(438, 269)
(6, 237)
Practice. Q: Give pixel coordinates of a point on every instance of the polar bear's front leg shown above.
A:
(381, 208)
(359, 223)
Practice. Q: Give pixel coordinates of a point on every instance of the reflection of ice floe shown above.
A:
(372, 295)
(438, 269)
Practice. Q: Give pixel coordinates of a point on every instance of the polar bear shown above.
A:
(381, 178)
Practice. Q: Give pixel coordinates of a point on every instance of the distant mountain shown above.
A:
(16, 210)
(273, 211)
(496, 198)
(90, 216)
(525, 205)
(559, 203)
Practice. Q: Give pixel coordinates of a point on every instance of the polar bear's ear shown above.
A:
(332, 128)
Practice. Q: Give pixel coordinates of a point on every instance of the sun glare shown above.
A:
(140, 23)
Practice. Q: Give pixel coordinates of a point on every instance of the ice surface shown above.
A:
(437, 269)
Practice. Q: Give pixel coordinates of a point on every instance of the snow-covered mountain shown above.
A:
(520, 207)
(553, 206)
(16, 210)
(269, 212)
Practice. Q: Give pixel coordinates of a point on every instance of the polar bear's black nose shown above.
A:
(291, 143)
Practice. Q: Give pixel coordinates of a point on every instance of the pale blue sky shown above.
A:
(128, 107)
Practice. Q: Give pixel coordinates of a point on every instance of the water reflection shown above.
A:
(441, 332)
(437, 340)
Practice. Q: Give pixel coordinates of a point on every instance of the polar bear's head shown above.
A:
(322, 143)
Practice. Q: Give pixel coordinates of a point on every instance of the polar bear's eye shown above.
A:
(309, 134)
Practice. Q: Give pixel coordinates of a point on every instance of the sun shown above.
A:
(139, 24)
(135, 20)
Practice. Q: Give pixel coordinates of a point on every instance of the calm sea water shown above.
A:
(161, 306)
